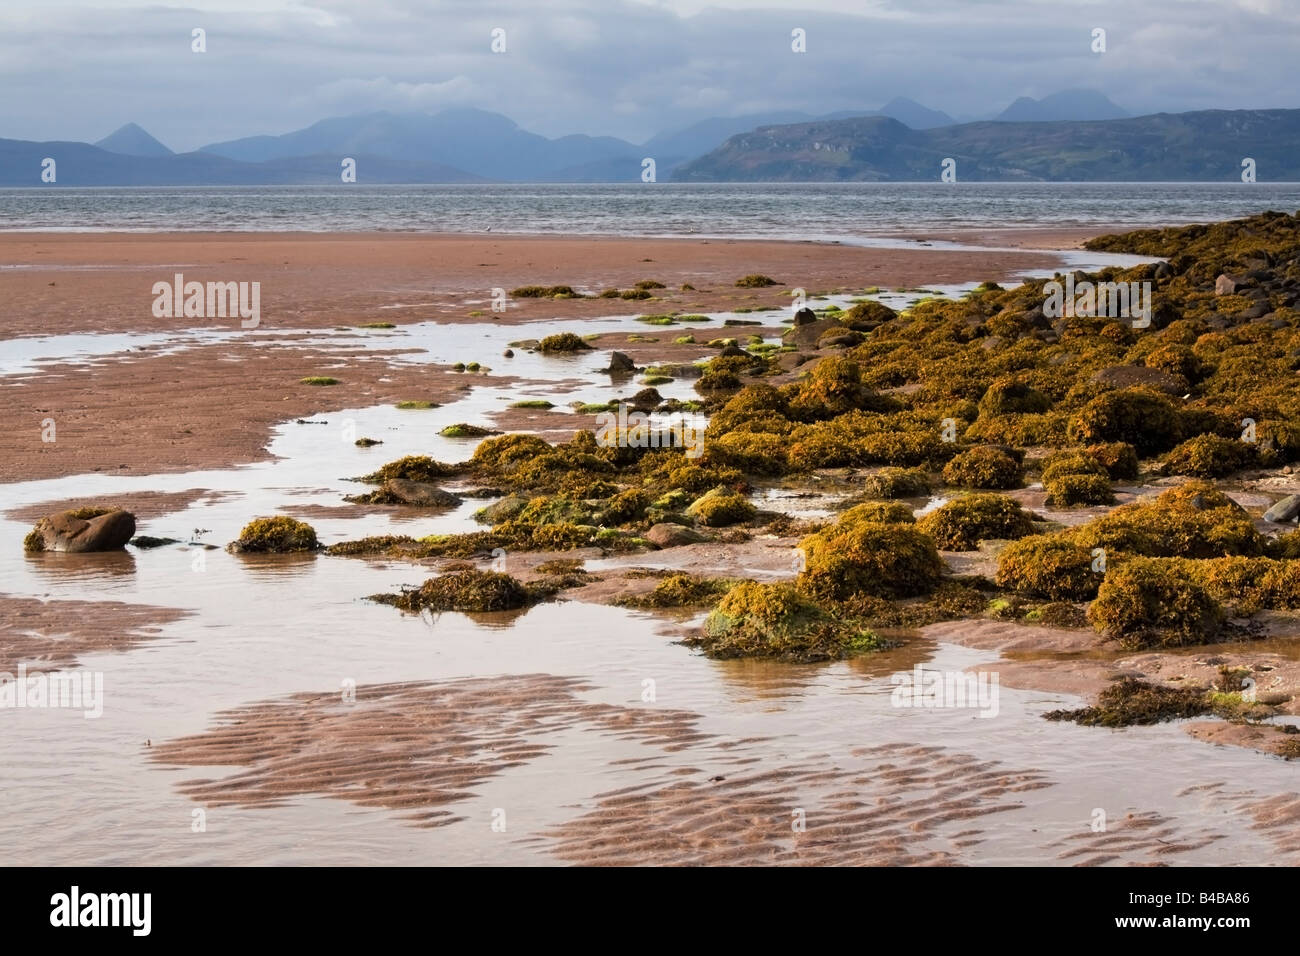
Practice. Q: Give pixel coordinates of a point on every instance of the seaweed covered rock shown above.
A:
(983, 467)
(1048, 567)
(81, 531)
(412, 468)
(1118, 458)
(721, 507)
(857, 556)
(897, 483)
(680, 590)
(278, 535)
(1209, 456)
(963, 523)
(887, 512)
(1065, 490)
(1142, 604)
(416, 494)
(562, 342)
(777, 621)
(1173, 527)
(469, 590)
(1008, 396)
(1144, 419)
(834, 387)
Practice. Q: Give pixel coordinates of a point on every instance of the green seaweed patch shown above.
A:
(1210, 456)
(777, 621)
(467, 590)
(544, 292)
(377, 325)
(1142, 604)
(1048, 567)
(277, 535)
(562, 342)
(412, 468)
(983, 467)
(963, 523)
(1130, 702)
(721, 507)
(755, 281)
(367, 442)
(1068, 490)
(533, 403)
(416, 404)
(860, 556)
(680, 590)
(465, 430)
(318, 380)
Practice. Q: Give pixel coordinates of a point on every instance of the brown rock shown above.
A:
(618, 362)
(667, 535)
(420, 494)
(68, 533)
(1225, 285)
(1131, 376)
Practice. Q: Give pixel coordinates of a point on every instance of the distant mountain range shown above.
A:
(1203, 146)
(1075, 134)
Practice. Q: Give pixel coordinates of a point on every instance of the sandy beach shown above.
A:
(541, 713)
(214, 404)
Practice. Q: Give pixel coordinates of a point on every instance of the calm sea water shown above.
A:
(800, 210)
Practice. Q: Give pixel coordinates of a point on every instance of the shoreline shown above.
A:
(216, 404)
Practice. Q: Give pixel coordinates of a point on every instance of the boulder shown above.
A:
(730, 351)
(67, 531)
(502, 510)
(1288, 509)
(846, 340)
(1133, 376)
(805, 316)
(646, 400)
(807, 334)
(1225, 285)
(618, 362)
(665, 535)
(420, 494)
(1163, 271)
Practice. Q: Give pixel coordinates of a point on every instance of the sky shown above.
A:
(627, 68)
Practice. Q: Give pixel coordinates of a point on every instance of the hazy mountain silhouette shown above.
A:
(489, 144)
(1078, 105)
(80, 164)
(132, 140)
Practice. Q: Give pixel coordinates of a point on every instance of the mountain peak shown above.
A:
(133, 140)
(1077, 105)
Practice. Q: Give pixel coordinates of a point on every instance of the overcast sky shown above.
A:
(626, 68)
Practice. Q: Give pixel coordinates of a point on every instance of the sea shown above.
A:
(811, 211)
